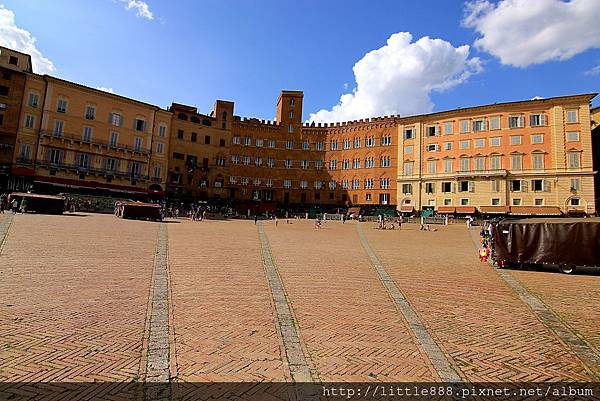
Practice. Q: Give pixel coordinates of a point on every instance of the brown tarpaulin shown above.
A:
(555, 241)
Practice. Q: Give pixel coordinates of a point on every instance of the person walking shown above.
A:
(276, 221)
(15, 206)
(255, 218)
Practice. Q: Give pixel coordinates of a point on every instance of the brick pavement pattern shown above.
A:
(222, 308)
(574, 298)
(73, 297)
(475, 316)
(348, 323)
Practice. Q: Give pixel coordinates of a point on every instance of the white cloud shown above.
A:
(102, 88)
(593, 71)
(19, 39)
(525, 32)
(399, 77)
(142, 9)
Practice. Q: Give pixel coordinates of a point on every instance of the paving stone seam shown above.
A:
(158, 363)
(438, 359)
(286, 326)
(4, 227)
(566, 334)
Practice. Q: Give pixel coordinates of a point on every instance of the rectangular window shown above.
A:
(479, 125)
(290, 129)
(178, 156)
(346, 143)
(160, 148)
(448, 127)
(480, 163)
(236, 140)
(384, 183)
(305, 145)
(516, 162)
(432, 130)
(515, 185)
(516, 202)
(537, 120)
(304, 164)
(259, 143)
(537, 185)
(356, 143)
(495, 141)
(157, 171)
(318, 164)
(137, 144)
(33, 100)
(516, 139)
(575, 184)
(447, 145)
(114, 137)
(464, 201)
(494, 123)
(409, 133)
(495, 201)
(58, 128)
(271, 143)
(207, 139)
(247, 141)
(446, 187)
(29, 121)
(179, 134)
(408, 168)
(408, 149)
(463, 186)
(289, 144)
(139, 124)
(287, 183)
(574, 159)
(537, 161)
(464, 126)
(538, 202)
(235, 159)
(433, 148)
(303, 184)
(464, 144)
(536, 139)
(333, 144)
(116, 119)
(480, 143)
(87, 135)
(572, 116)
(495, 185)
(572, 136)
(495, 162)
(246, 160)
(447, 165)
(429, 187)
(465, 164)
(61, 106)
(431, 165)
(332, 164)
(407, 188)
(287, 163)
(90, 113)
(162, 131)
(516, 121)
(83, 161)
(55, 156)
(25, 152)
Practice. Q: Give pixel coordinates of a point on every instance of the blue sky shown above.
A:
(195, 52)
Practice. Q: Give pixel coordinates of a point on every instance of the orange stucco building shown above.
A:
(532, 155)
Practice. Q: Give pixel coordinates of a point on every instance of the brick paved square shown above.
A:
(75, 293)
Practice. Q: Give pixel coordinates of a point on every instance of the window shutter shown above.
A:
(546, 185)
(471, 186)
(524, 185)
(542, 119)
(532, 120)
(485, 124)
(521, 121)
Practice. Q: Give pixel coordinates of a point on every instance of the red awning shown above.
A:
(23, 171)
(535, 211)
(466, 209)
(494, 209)
(407, 209)
(446, 209)
(41, 196)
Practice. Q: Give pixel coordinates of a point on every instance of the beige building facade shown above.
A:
(535, 153)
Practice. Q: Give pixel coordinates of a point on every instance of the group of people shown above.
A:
(382, 223)
(14, 204)
(485, 249)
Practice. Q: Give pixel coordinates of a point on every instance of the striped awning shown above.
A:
(446, 209)
(496, 209)
(466, 209)
(535, 211)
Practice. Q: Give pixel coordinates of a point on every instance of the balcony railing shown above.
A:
(78, 139)
(90, 170)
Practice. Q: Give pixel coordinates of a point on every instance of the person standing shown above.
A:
(276, 221)
(255, 218)
(15, 206)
